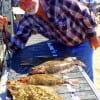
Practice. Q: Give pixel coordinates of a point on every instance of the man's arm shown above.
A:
(82, 13)
(19, 40)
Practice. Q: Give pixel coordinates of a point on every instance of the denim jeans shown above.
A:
(83, 52)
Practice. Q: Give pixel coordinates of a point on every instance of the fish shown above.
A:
(21, 91)
(55, 66)
(43, 79)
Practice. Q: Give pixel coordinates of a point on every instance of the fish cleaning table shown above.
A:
(39, 49)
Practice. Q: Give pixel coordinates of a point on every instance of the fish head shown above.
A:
(23, 79)
(37, 70)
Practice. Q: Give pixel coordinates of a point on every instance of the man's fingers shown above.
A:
(3, 22)
(1, 25)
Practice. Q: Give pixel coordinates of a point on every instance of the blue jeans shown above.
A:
(83, 52)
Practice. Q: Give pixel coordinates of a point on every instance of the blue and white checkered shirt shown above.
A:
(69, 23)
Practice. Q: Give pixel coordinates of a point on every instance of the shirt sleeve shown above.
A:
(90, 23)
(19, 40)
(82, 13)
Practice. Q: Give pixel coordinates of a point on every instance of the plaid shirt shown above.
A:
(69, 23)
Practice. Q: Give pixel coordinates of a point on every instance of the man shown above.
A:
(66, 22)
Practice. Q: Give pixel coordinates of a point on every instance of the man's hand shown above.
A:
(95, 42)
(4, 27)
(3, 23)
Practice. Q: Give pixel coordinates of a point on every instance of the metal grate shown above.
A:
(83, 91)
